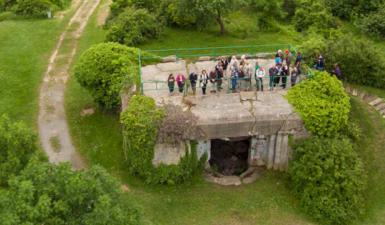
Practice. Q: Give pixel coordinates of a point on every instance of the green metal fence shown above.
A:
(187, 53)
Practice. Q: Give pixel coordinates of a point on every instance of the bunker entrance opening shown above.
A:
(230, 157)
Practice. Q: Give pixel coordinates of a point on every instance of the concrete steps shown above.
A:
(375, 102)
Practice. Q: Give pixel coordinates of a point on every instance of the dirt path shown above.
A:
(53, 128)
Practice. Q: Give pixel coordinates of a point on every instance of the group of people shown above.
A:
(320, 66)
(240, 74)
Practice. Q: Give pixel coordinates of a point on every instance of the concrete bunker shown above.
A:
(259, 123)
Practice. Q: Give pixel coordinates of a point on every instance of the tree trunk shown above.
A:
(221, 23)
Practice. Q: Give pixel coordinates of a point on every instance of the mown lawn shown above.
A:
(25, 47)
(268, 201)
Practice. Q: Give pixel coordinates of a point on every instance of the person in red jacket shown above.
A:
(180, 80)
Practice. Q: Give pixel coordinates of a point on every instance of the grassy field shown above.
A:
(25, 48)
(371, 148)
(268, 201)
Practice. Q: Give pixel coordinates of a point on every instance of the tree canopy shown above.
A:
(17, 147)
(47, 194)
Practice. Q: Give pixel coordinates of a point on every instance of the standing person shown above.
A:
(279, 57)
(244, 74)
(193, 81)
(278, 75)
(225, 64)
(337, 72)
(320, 65)
(171, 83)
(256, 73)
(219, 75)
(284, 74)
(298, 62)
(234, 78)
(213, 81)
(234, 62)
(204, 80)
(180, 81)
(272, 73)
(294, 76)
(288, 59)
(259, 75)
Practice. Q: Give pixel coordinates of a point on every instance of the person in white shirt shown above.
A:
(260, 73)
(204, 80)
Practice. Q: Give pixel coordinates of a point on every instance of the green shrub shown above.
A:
(62, 4)
(141, 121)
(116, 8)
(328, 177)
(50, 194)
(342, 8)
(322, 103)
(6, 5)
(289, 6)
(17, 146)
(360, 61)
(374, 23)
(33, 8)
(314, 14)
(133, 27)
(104, 69)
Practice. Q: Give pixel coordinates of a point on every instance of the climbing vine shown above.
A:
(141, 121)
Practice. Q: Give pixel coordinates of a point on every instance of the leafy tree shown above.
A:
(368, 6)
(34, 8)
(61, 3)
(342, 8)
(360, 61)
(322, 103)
(374, 23)
(7, 4)
(206, 11)
(289, 6)
(133, 27)
(104, 69)
(267, 10)
(119, 6)
(313, 13)
(48, 194)
(328, 177)
(17, 147)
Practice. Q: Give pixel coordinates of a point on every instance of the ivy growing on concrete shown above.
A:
(141, 121)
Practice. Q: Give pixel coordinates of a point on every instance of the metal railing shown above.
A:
(218, 51)
(195, 53)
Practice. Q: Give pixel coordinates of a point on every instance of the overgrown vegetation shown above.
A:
(33, 8)
(133, 27)
(313, 14)
(361, 62)
(104, 69)
(48, 194)
(141, 121)
(326, 173)
(17, 147)
(328, 177)
(322, 103)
